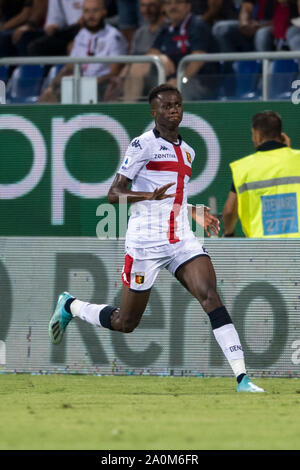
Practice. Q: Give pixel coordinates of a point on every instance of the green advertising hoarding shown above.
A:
(57, 162)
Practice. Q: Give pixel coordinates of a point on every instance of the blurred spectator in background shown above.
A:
(185, 33)
(32, 29)
(112, 16)
(284, 11)
(63, 22)
(153, 18)
(262, 26)
(12, 15)
(129, 17)
(293, 32)
(95, 39)
(214, 10)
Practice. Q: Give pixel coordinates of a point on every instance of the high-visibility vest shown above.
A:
(268, 191)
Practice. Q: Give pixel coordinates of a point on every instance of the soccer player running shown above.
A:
(158, 164)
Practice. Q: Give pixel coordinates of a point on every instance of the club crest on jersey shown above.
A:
(139, 278)
(126, 163)
(188, 156)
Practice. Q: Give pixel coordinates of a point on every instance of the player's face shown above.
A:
(92, 14)
(176, 10)
(167, 110)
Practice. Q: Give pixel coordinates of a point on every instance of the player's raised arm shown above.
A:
(120, 192)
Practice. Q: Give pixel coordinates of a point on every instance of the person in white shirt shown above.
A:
(158, 165)
(62, 13)
(92, 41)
(63, 22)
(95, 39)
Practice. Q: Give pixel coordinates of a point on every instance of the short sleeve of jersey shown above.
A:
(136, 156)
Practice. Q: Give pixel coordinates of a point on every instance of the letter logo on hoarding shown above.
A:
(296, 94)
(32, 133)
(62, 180)
(296, 354)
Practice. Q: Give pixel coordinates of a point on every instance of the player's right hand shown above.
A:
(160, 193)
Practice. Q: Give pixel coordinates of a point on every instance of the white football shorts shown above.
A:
(142, 265)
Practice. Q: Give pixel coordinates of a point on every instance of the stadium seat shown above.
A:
(247, 79)
(228, 85)
(241, 80)
(281, 75)
(49, 77)
(4, 73)
(25, 84)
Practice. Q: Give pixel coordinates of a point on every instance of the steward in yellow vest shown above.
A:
(266, 185)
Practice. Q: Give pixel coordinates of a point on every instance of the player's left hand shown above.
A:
(207, 220)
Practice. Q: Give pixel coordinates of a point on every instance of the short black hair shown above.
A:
(161, 89)
(186, 1)
(268, 123)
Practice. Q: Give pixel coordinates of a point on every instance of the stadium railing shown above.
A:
(265, 57)
(77, 61)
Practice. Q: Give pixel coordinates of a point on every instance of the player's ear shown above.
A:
(153, 112)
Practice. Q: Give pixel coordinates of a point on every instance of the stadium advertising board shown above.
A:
(258, 281)
(57, 162)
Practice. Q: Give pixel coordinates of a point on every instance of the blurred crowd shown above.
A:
(170, 29)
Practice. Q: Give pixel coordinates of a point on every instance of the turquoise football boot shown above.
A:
(247, 386)
(60, 319)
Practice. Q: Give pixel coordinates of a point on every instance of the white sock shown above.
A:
(238, 367)
(87, 312)
(229, 341)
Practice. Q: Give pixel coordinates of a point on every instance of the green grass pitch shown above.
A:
(159, 413)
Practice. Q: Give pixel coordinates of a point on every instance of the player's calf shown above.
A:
(107, 316)
(229, 341)
(119, 321)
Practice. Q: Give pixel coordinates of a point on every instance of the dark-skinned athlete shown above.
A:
(157, 165)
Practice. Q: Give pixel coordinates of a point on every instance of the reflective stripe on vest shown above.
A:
(269, 183)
